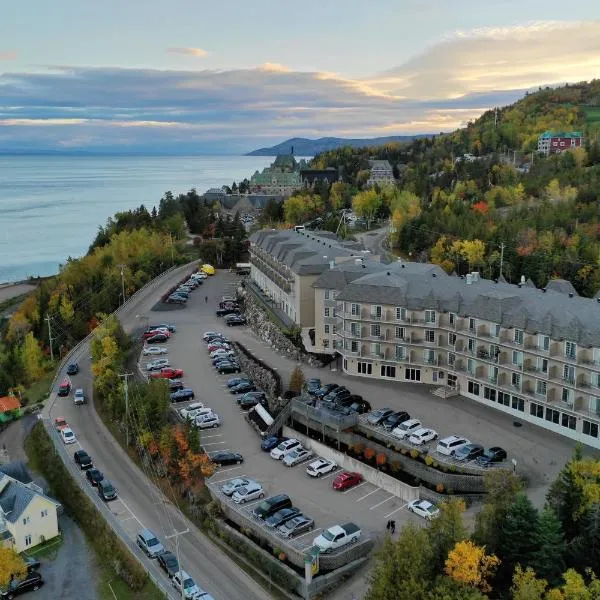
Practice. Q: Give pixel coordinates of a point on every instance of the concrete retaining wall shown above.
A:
(372, 475)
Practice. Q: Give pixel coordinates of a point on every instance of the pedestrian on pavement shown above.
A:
(388, 525)
(393, 526)
(206, 299)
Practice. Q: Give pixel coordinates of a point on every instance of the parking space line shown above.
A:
(354, 488)
(213, 444)
(223, 480)
(329, 474)
(395, 511)
(367, 495)
(313, 532)
(382, 502)
(206, 437)
(130, 511)
(231, 469)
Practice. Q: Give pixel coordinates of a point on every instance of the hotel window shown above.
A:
(517, 358)
(518, 336)
(536, 410)
(44, 513)
(490, 394)
(354, 346)
(568, 421)
(543, 343)
(26, 521)
(570, 350)
(516, 380)
(430, 335)
(430, 316)
(326, 328)
(541, 388)
(28, 540)
(326, 311)
(471, 324)
(471, 346)
(473, 388)
(326, 294)
(590, 428)
(569, 374)
(355, 309)
(429, 357)
(596, 356)
(542, 365)
(388, 371)
(595, 380)
(400, 333)
(452, 339)
(471, 366)
(452, 318)
(517, 404)
(401, 314)
(496, 331)
(412, 374)
(451, 359)
(355, 329)
(334, 329)
(376, 312)
(552, 415)
(376, 330)
(567, 396)
(400, 352)
(365, 368)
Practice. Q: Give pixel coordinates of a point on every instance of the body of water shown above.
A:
(51, 206)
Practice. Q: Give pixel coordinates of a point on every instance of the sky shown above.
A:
(191, 76)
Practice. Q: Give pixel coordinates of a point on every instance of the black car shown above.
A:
(281, 516)
(312, 386)
(250, 399)
(216, 337)
(94, 476)
(33, 581)
(337, 395)
(296, 526)
(168, 563)
(236, 381)
(175, 385)
(242, 388)
(175, 299)
(492, 455)
(157, 338)
(223, 312)
(83, 459)
(232, 320)
(220, 359)
(106, 490)
(377, 416)
(73, 369)
(271, 442)
(361, 407)
(182, 395)
(226, 458)
(469, 452)
(228, 367)
(395, 419)
(326, 389)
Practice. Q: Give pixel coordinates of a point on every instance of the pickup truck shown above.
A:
(337, 536)
(167, 373)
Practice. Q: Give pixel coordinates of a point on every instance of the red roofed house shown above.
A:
(10, 409)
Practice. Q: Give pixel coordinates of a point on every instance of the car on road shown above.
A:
(167, 373)
(31, 582)
(271, 442)
(190, 411)
(182, 395)
(491, 455)
(94, 476)
(156, 365)
(64, 387)
(72, 369)
(106, 490)
(208, 269)
(326, 389)
(233, 381)
(60, 423)
(346, 480)
(424, 509)
(296, 456)
(79, 397)
(251, 491)
(451, 444)
(312, 386)
(67, 435)
(299, 524)
(392, 421)
(154, 350)
(422, 436)
(285, 448)
(157, 338)
(228, 366)
(182, 581)
(320, 467)
(167, 561)
(377, 416)
(225, 457)
(207, 421)
(234, 484)
(250, 399)
(406, 428)
(149, 543)
(281, 516)
(469, 452)
(83, 459)
(233, 320)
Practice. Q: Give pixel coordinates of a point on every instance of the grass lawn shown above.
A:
(47, 549)
(112, 587)
(592, 114)
(38, 392)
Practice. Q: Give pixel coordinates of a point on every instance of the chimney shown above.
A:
(570, 294)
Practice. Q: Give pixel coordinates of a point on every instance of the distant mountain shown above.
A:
(306, 147)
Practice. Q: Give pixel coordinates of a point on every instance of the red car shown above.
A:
(345, 480)
(149, 334)
(168, 373)
(213, 347)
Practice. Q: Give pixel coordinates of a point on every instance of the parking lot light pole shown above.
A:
(176, 536)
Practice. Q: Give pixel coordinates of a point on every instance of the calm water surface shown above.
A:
(51, 207)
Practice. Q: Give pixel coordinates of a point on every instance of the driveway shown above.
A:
(12, 438)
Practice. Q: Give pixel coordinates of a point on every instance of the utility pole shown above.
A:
(126, 377)
(495, 117)
(50, 338)
(122, 281)
(176, 536)
(501, 257)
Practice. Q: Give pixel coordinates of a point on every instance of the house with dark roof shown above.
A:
(27, 516)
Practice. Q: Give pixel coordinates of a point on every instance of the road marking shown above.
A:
(313, 532)
(329, 474)
(395, 511)
(206, 437)
(130, 511)
(367, 495)
(228, 479)
(354, 488)
(213, 444)
(382, 502)
(126, 519)
(230, 469)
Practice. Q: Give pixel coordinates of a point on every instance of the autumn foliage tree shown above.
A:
(11, 564)
(468, 564)
(296, 380)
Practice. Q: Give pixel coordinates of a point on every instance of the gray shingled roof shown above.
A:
(535, 311)
(561, 286)
(14, 498)
(17, 470)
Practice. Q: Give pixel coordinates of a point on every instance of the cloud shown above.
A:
(197, 52)
(8, 55)
(441, 89)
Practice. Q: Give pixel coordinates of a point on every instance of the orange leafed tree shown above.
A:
(467, 563)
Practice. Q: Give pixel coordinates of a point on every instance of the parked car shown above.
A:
(312, 386)
(243, 387)
(346, 479)
(154, 350)
(156, 365)
(284, 448)
(236, 381)
(207, 421)
(393, 420)
(168, 373)
(424, 509)
(210, 334)
(449, 445)
(233, 320)
(149, 543)
(299, 524)
(469, 452)
(361, 407)
(377, 416)
(152, 332)
(194, 409)
(221, 352)
(72, 369)
(251, 491)
(182, 581)
(106, 490)
(94, 476)
(182, 395)
(229, 367)
(223, 312)
(225, 457)
(281, 516)
(321, 467)
(167, 561)
(491, 455)
(406, 428)
(31, 582)
(271, 505)
(218, 360)
(79, 397)
(67, 435)
(175, 384)
(337, 395)
(296, 456)
(337, 536)
(271, 442)
(233, 484)
(157, 338)
(422, 436)
(326, 389)
(83, 459)
(173, 299)
(250, 399)
(171, 328)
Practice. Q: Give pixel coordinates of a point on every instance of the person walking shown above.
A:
(206, 299)
(393, 527)
(388, 525)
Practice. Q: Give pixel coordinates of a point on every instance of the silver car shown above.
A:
(252, 491)
(156, 365)
(233, 485)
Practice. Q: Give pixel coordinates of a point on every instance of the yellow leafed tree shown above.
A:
(32, 358)
(10, 564)
(467, 563)
(366, 204)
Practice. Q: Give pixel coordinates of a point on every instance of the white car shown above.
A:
(190, 590)
(157, 365)
(198, 276)
(154, 350)
(297, 456)
(406, 428)
(422, 436)
(190, 412)
(247, 493)
(207, 421)
(79, 396)
(67, 435)
(234, 484)
(321, 466)
(221, 352)
(424, 509)
(285, 448)
(209, 334)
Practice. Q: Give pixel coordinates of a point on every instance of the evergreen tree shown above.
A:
(585, 548)
(548, 558)
(445, 530)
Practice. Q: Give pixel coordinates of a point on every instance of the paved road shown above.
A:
(140, 503)
(15, 289)
(373, 241)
